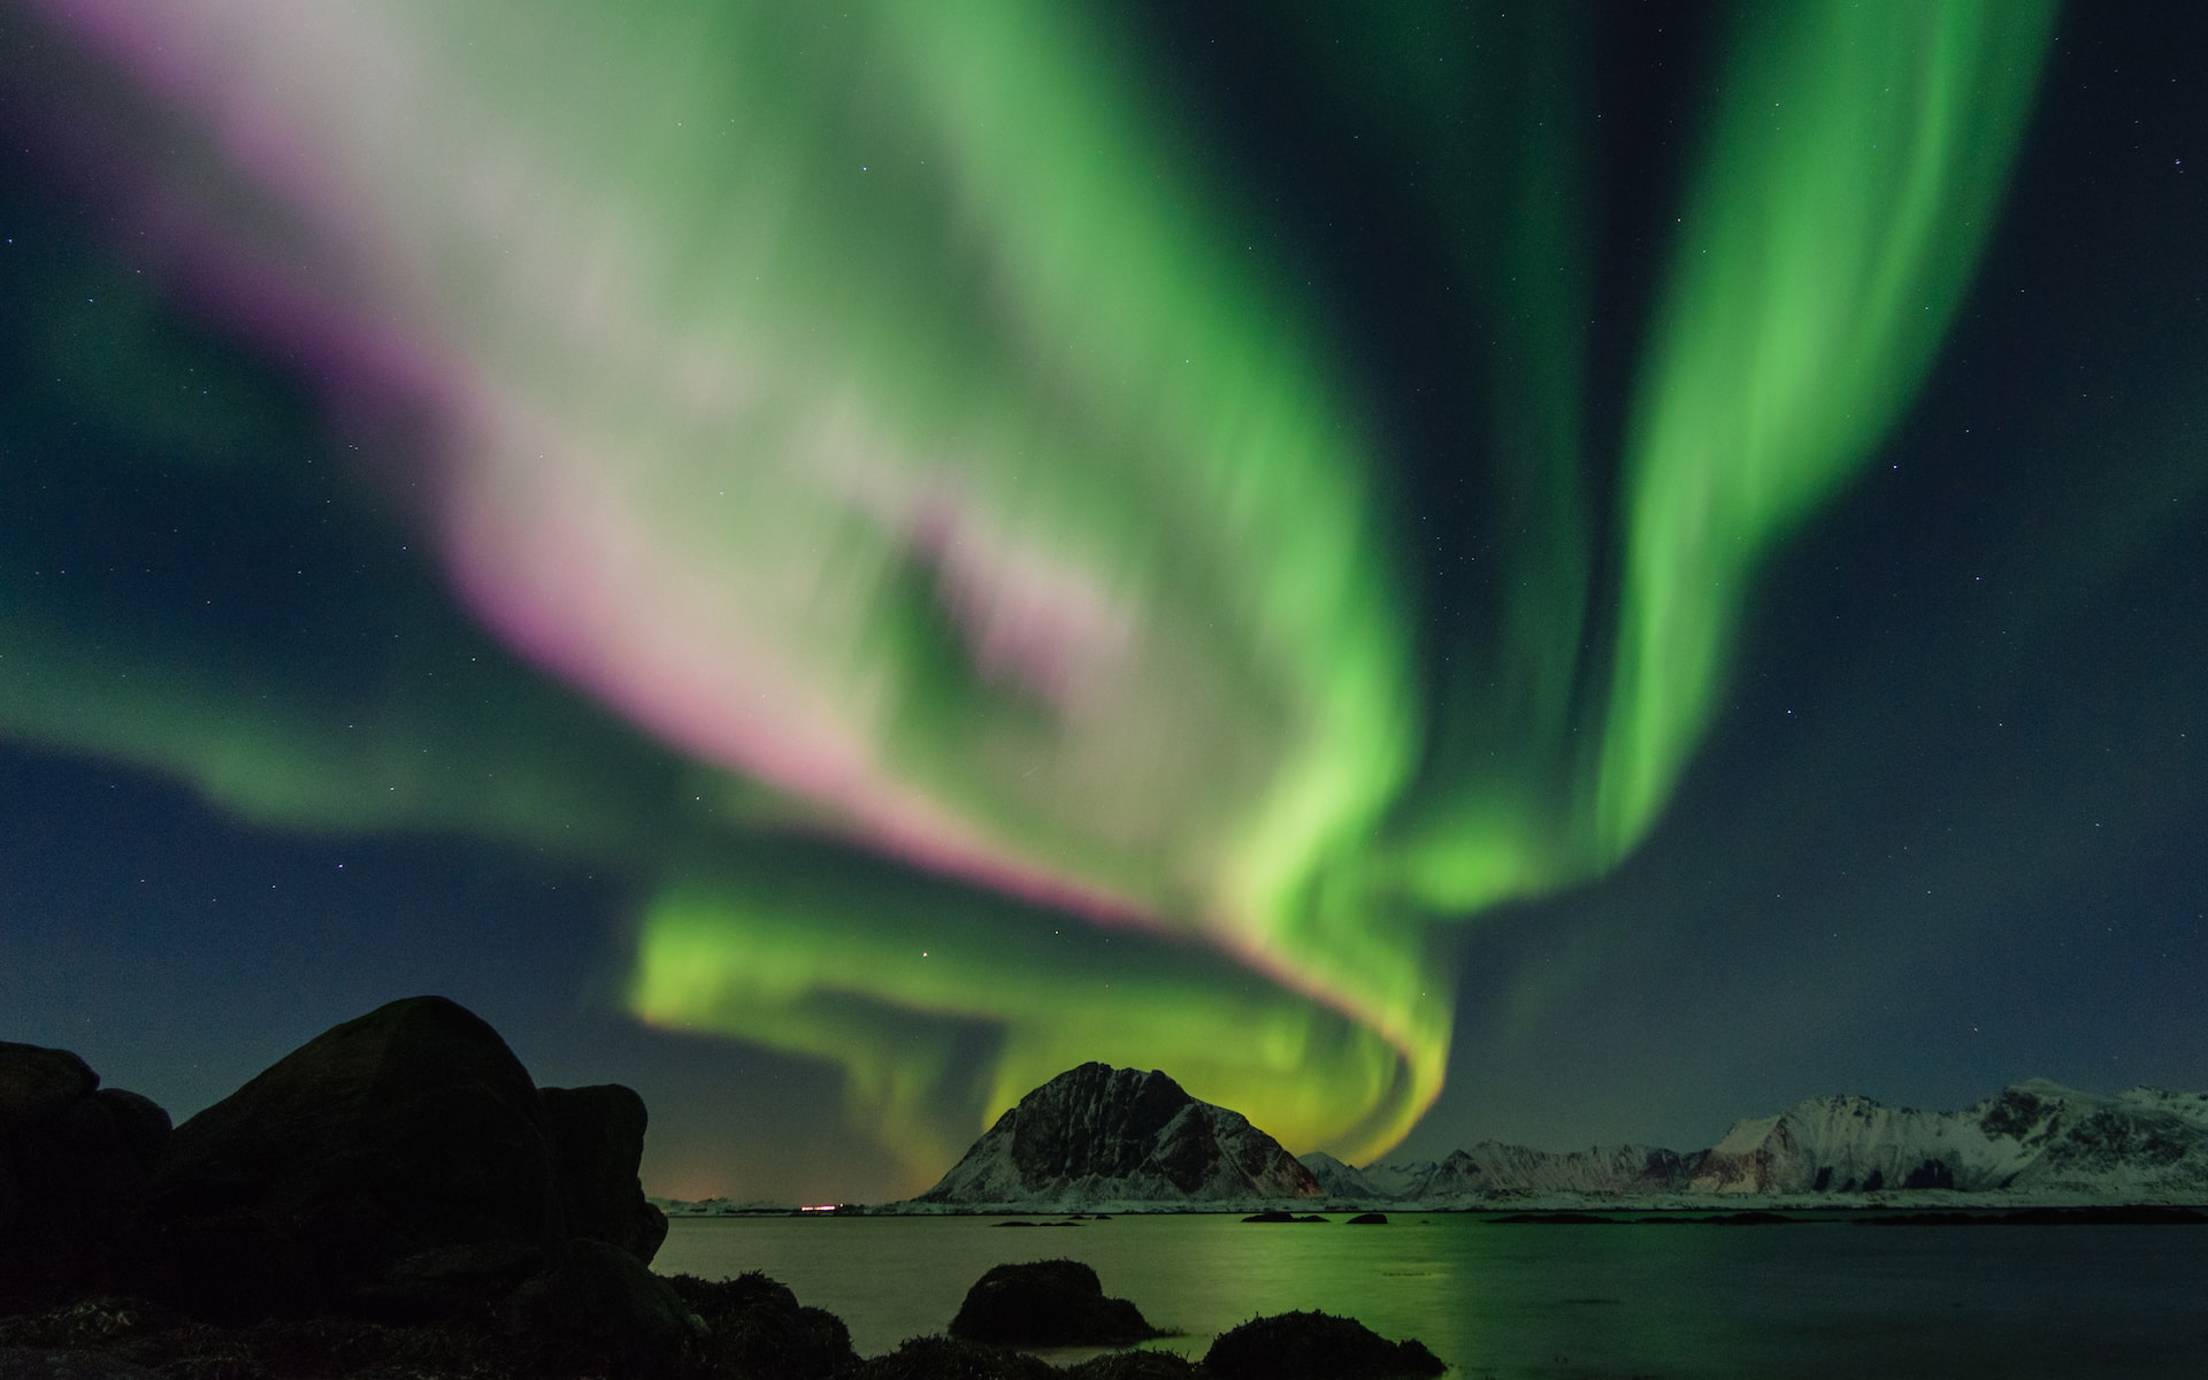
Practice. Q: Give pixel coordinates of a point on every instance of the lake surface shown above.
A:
(1825, 1299)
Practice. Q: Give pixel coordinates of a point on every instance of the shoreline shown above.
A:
(2138, 1212)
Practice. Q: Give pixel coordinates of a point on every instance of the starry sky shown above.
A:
(1561, 575)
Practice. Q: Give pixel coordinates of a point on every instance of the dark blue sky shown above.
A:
(1945, 833)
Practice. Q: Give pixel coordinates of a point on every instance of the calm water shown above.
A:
(1496, 1300)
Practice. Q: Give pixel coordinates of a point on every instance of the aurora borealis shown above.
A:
(921, 506)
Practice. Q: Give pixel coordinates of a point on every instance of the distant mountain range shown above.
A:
(2035, 1139)
(1100, 1137)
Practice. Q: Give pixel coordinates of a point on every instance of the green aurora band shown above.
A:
(894, 505)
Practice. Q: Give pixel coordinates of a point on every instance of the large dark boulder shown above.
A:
(141, 1124)
(1047, 1303)
(446, 1282)
(411, 1129)
(597, 1140)
(75, 1162)
(1315, 1346)
(598, 1311)
(759, 1332)
(36, 1082)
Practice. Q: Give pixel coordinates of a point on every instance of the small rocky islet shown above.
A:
(398, 1199)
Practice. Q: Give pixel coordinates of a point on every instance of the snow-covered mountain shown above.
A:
(2036, 1138)
(1492, 1168)
(1100, 1137)
(1345, 1182)
(1097, 1136)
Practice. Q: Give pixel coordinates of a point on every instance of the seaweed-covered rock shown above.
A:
(133, 1333)
(22, 1363)
(1369, 1219)
(757, 1330)
(1046, 1303)
(946, 1358)
(1136, 1365)
(597, 1140)
(598, 1310)
(1315, 1346)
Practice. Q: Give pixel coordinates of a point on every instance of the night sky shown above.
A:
(1563, 575)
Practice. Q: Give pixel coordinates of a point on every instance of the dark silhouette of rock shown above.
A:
(596, 1309)
(946, 1358)
(140, 1122)
(1278, 1216)
(757, 1330)
(1369, 1219)
(75, 1162)
(407, 1130)
(447, 1281)
(597, 1140)
(399, 1165)
(1315, 1346)
(133, 1333)
(1046, 1303)
(36, 1082)
(595, 1312)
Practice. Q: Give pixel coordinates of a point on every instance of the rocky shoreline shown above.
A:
(397, 1199)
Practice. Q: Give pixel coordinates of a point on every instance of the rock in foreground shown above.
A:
(75, 1161)
(598, 1309)
(1047, 1303)
(401, 1163)
(596, 1313)
(758, 1331)
(1315, 1346)
(596, 1136)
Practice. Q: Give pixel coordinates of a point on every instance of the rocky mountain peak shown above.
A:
(1097, 1134)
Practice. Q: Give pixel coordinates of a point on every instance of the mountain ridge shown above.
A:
(2033, 1136)
(1099, 1137)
